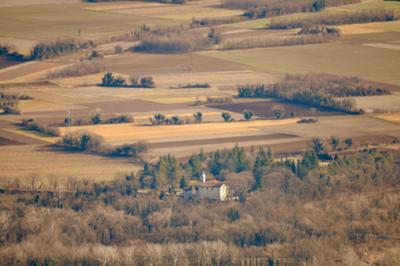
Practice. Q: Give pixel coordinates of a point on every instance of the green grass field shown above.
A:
(41, 22)
(371, 63)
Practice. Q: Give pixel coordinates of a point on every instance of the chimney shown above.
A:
(203, 176)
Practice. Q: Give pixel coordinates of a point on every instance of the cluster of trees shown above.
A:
(259, 42)
(32, 124)
(326, 217)
(109, 80)
(47, 50)
(85, 141)
(172, 42)
(334, 18)
(316, 90)
(77, 70)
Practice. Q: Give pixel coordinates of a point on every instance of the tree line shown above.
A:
(109, 80)
(317, 90)
(334, 18)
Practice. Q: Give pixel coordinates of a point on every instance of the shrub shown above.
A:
(10, 110)
(31, 124)
(77, 70)
(247, 114)
(198, 117)
(118, 49)
(121, 119)
(96, 118)
(128, 150)
(226, 116)
(95, 55)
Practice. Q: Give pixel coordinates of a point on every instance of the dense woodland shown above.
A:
(316, 90)
(332, 215)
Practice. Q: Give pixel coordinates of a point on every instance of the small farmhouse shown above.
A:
(211, 190)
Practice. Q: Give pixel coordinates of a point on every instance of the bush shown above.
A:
(118, 49)
(31, 124)
(77, 70)
(195, 86)
(95, 55)
(10, 110)
(128, 150)
(109, 80)
(226, 116)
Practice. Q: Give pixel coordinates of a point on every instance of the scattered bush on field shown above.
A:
(227, 117)
(209, 22)
(95, 55)
(338, 18)
(121, 119)
(307, 120)
(77, 70)
(198, 117)
(317, 90)
(195, 86)
(10, 110)
(118, 49)
(33, 125)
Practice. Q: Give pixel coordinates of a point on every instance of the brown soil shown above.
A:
(5, 141)
(266, 108)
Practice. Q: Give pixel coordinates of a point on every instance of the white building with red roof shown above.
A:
(207, 190)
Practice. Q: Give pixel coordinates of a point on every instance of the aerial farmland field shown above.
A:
(199, 132)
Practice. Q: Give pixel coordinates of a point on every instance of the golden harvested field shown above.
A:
(125, 133)
(24, 161)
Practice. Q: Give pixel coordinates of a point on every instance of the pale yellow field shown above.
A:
(33, 135)
(24, 161)
(393, 117)
(38, 105)
(197, 9)
(130, 133)
(370, 27)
